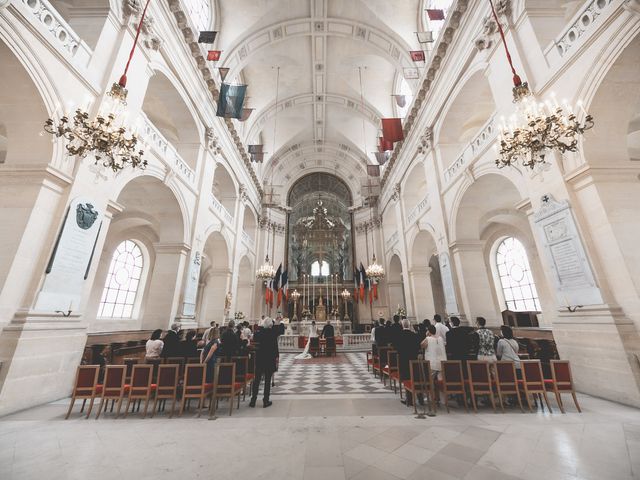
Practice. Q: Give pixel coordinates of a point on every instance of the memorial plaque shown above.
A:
(565, 254)
(451, 304)
(71, 258)
(191, 288)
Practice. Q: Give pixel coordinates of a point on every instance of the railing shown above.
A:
(166, 151)
(49, 18)
(472, 150)
(423, 205)
(583, 21)
(222, 211)
(288, 341)
(356, 340)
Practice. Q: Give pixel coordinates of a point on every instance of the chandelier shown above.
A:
(103, 136)
(266, 271)
(537, 127)
(375, 271)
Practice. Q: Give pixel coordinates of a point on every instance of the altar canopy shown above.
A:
(319, 227)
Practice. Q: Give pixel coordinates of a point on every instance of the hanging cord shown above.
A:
(516, 78)
(364, 136)
(123, 78)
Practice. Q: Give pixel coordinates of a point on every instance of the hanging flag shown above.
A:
(276, 286)
(410, 73)
(356, 275)
(384, 145)
(417, 55)
(382, 157)
(214, 55)
(285, 285)
(363, 276)
(257, 157)
(254, 148)
(373, 170)
(223, 72)
(401, 100)
(230, 100)
(207, 36)
(375, 289)
(392, 129)
(267, 293)
(425, 37)
(435, 14)
(246, 113)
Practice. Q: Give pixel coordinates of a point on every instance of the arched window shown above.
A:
(519, 290)
(200, 13)
(317, 270)
(123, 280)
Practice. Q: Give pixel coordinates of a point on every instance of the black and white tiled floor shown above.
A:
(345, 374)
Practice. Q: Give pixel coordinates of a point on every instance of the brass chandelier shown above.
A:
(375, 271)
(536, 127)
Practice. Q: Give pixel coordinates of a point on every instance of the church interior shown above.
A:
(320, 239)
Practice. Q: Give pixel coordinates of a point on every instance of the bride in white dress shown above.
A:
(313, 332)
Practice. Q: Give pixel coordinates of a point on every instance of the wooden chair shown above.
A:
(392, 370)
(507, 382)
(375, 359)
(85, 387)
(166, 387)
(420, 383)
(176, 361)
(314, 346)
(479, 379)
(129, 363)
(113, 387)
(453, 382)
(330, 347)
(382, 361)
(140, 387)
(155, 363)
(242, 365)
(193, 360)
(562, 382)
(194, 386)
(533, 382)
(224, 386)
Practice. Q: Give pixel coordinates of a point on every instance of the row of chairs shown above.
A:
(231, 380)
(480, 378)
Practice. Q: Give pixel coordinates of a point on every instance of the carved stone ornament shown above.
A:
(395, 196)
(425, 141)
(244, 196)
(212, 141)
(486, 36)
(132, 11)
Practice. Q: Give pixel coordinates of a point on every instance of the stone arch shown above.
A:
(415, 187)
(395, 284)
(215, 279)
(423, 249)
(148, 211)
(246, 283)
(166, 107)
(224, 189)
(250, 223)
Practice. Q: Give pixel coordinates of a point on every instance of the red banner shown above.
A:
(214, 55)
(392, 129)
(417, 55)
(384, 145)
(435, 14)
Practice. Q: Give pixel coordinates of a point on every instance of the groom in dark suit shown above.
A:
(327, 330)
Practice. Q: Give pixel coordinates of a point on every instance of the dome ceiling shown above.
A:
(319, 46)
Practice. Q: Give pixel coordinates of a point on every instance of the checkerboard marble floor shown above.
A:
(345, 374)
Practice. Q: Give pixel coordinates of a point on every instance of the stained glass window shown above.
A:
(200, 12)
(517, 283)
(123, 281)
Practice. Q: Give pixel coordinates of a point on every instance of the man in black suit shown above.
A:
(407, 344)
(266, 340)
(457, 341)
(395, 330)
(327, 330)
(171, 341)
(229, 341)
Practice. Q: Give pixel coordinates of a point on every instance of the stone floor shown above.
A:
(329, 437)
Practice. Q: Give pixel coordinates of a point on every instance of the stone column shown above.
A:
(163, 293)
(422, 293)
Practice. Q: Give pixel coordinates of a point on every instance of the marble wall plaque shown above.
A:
(451, 303)
(565, 254)
(71, 257)
(191, 288)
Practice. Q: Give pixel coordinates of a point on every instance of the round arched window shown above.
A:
(123, 281)
(200, 13)
(517, 283)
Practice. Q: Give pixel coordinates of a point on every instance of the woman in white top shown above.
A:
(154, 346)
(313, 332)
(435, 353)
(508, 347)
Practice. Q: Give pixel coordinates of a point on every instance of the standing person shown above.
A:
(441, 328)
(457, 341)
(373, 332)
(189, 346)
(172, 342)
(154, 346)
(381, 334)
(408, 346)
(313, 333)
(327, 330)
(208, 356)
(486, 349)
(247, 334)
(434, 352)
(206, 336)
(229, 341)
(266, 360)
(396, 329)
(508, 348)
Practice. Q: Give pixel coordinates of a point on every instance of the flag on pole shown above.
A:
(435, 14)
(392, 129)
(257, 157)
(417, 55)
(276, 286)
(425, 37)
(223, 72)
(384, 145)
(246, 113)
(373, 170)
(411, 73)
(254, 148)
(230, 100)
(356, 275)
(285, 285)
(363, 276)
(214, 55)
(267, 293)
(207, 36)
(401, 100)
(382, 157)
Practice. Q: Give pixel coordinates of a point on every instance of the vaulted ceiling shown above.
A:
(320, 75)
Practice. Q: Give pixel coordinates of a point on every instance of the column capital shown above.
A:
(466, 246)
(168, 248)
